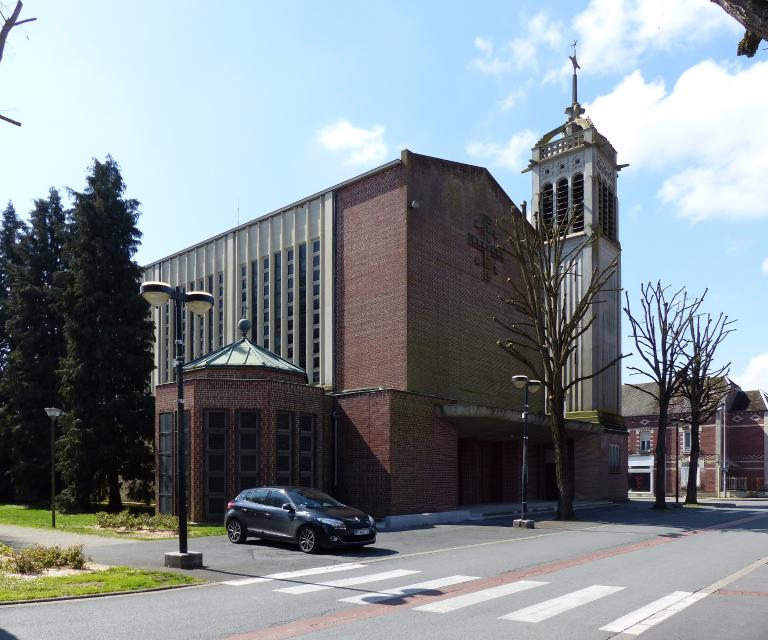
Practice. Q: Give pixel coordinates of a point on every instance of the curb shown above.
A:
(85, 596)
(400, 523)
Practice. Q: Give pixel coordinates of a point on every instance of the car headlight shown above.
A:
(331, 522)
(371, 521)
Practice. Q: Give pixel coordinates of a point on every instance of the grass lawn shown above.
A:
(40, 517)
(109, 581)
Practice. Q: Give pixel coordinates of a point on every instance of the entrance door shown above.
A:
(491, 465)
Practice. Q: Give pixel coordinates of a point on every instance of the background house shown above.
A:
(734, 442)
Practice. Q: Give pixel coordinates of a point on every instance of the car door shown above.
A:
(278, 522)
(253, 509)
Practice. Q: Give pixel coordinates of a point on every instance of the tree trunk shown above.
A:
(660, 471)
(565, 509)
(691, 490)
(115, 501)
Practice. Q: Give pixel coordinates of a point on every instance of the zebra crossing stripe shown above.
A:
(287, 575)
(347, 582)
(408, 590)
(476, 597)
(677, 607)
(245, 581)
(551, 608)
(637, 616)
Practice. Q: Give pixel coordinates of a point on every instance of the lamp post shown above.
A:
(725, 459)
(53, 413)
(677, 459)
(199, 302)
(525, 383)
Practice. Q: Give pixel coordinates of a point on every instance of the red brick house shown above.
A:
(733, 443)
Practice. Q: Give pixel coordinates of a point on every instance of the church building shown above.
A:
(371, 368)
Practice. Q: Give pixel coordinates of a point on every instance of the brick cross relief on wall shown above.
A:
(486, 244)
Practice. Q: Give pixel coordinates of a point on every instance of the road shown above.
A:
(620, 572)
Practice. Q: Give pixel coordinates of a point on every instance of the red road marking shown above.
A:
(346, 616)
(730, 592)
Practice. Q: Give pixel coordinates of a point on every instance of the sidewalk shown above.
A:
(477, 512)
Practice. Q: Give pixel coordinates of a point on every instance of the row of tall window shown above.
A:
(295, 449)
(606, 208)
(563, 200)
(566, 197)
(280, 335)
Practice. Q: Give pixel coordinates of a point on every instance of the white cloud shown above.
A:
(708, 133)
(519, 53)
(489, 63)
(364, 146)
(755, 376)
(765, 266)
(614, 35)
(512, 155)
(512, 99)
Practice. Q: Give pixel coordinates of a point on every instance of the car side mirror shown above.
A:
(289, 507)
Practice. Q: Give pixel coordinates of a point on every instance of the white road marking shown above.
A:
(551, 608)
(347, 582)
(468, 599)
(287, 575)
(667, 613)
(244, 581)
(409, 590)
(637, 616)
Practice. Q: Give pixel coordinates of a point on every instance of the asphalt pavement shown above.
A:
(620, 571)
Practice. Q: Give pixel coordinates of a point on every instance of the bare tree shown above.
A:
(551, 320)
(659, 334)
(753, 16)
(5, 30)
(703, 384)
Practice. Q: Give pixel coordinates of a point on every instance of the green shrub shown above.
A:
(37, 558)
(132, 522)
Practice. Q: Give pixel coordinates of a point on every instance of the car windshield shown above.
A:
(312, 499)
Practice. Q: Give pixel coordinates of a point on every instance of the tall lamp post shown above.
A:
(53, 413)
(676, 422)
(199, 302)
(525, 383)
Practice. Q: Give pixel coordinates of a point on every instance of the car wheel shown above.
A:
(308, 541)
(235, 531)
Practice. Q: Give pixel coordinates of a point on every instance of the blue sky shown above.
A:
(215, 108)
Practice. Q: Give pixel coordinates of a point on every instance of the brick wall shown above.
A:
(370, 339)
(593, 480)
(424, 456)
(364, 470)
(229, 391)
(745, 443)
(452, 336)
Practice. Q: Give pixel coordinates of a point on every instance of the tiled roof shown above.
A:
(635, 401)
(244, 353)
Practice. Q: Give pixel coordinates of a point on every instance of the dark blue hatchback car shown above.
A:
(307, 517)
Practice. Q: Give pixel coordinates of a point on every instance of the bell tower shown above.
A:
(574, 174)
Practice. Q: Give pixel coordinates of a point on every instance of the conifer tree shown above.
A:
(9, 239)
(108, 335)
(34, 327)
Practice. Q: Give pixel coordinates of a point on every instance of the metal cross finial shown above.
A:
(573, 57)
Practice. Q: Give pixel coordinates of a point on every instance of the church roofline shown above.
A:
(275, 212)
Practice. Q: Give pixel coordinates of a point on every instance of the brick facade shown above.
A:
(232, 391)
(746, 442)
(415, 329)
(417, 280)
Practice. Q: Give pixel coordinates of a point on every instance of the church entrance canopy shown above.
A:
(493, 423)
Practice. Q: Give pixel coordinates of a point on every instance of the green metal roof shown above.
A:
(244, 353)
